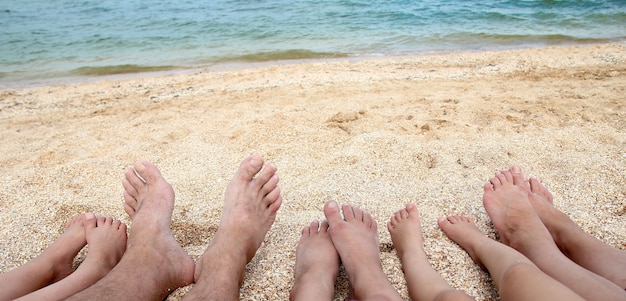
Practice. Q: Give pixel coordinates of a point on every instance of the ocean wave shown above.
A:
(118, 69)
(292, 54)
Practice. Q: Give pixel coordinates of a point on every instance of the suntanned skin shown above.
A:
(250, 207)
(155, 261)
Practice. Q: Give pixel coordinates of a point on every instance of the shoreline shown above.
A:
(373, 133)
(25, 83)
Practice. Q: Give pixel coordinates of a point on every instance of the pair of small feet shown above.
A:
(250, 205)
(351, 241)
(105, 238)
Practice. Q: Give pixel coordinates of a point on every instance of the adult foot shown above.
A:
(149, 201)
(317, 264)
(251, 201)
(506, 201)
(463, 231)
(355, 237)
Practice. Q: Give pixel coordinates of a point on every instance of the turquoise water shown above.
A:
(47, 39)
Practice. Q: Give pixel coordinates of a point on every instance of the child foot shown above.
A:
(463, 231)
(406, 231)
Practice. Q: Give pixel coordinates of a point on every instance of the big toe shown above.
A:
(519, 178)
(250, 167)
(147, 171)
(90, 221)
(331, 211)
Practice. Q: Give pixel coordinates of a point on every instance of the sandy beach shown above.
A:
(374, 133)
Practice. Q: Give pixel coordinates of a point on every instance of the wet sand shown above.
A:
(373, 133)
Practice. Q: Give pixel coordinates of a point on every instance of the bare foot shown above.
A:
(317, 264)
(355, 237)
(584, 249)
(149, 201)
(250, 205)
(542, 202)
(406, 231)
(463, 231)
(52, 265)
(423, 282)
(60, 254)
(106, 243)
(106, 240)
(507, 204)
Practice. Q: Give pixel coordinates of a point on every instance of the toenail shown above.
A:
(139, 167)
(256, 162)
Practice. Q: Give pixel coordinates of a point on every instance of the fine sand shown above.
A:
(373, 133)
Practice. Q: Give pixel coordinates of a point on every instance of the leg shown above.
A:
(154, 264)
(317, 265)
(423, 281)
(582, 248)
(106, 240)
(507, 204)
(515, 276)
(355, 237)
(250, 206)
(52, 265)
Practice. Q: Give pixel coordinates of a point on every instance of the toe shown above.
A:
(411, 209)
(272, 197)
(266, 178)
(324, 227)
(359, 214)
(270, 185)
(348, 213)
(488, 187)
(331, 211)
(132, 182)
(518, 177)
(90, 221)
(314, 226)
(306, 231)
(495, 182)
(249, 168)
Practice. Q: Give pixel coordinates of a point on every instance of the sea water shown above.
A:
(47, 39)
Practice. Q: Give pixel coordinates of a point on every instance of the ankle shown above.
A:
(313, 286)
(216, 262)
